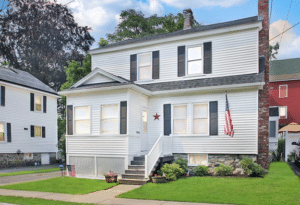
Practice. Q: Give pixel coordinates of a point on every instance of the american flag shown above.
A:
(228, 128)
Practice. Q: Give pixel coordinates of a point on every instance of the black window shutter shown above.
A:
(123, 118)
(155, 65)
(181, 61)
(32, 130)
(207, 58)
(213, 118)
(2, 96)
(133, 67)
(261, 63)
(31, 101)
(44, 104)
(167, 119)
(8, 126)
(43, 132)
(70, 119)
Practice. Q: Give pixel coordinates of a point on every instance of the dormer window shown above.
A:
(144, 66)
(194, 60)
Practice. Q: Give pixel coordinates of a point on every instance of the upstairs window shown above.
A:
(283, 91)
(179, 119)
(110, 119)
(283, 112)
(194, 60)
(200, 120)
(82, 120)
(38, 103)
(2, 132)
(144, 66)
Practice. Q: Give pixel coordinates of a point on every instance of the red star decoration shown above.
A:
(156, 117)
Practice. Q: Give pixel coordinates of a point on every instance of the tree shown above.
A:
(134, 25)
(273, 50)
(40, 36)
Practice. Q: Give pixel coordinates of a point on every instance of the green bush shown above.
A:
(252, 169)
(201, 170)
(172, 171)
(224, 170)
(292, 156)
(280, 151)
(182, 163)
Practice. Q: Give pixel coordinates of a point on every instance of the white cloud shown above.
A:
(202, 3)
(289, 44)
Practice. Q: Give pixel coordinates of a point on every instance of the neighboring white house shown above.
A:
(28, 120)
(164, 95)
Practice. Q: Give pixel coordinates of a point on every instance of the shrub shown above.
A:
(172, 171)
(201, 170)
(182, 163)
(252, 169)
(280, 151)
(224, 170)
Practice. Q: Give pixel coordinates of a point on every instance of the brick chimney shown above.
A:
(188, 19)
(263, 103)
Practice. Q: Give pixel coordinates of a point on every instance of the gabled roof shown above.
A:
(283, 70)
(113, 78)
(22, 78)
(201, 28)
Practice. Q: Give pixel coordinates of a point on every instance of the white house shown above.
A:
(164, 95)
(28, 120)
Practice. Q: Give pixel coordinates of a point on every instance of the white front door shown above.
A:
(144, 134)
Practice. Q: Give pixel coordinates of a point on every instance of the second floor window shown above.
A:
(194, 60)
(144, 66)
(283, 91)
(2, 132)
(38, 103)
(82, 120)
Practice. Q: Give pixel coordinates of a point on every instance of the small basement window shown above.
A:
(197, 159)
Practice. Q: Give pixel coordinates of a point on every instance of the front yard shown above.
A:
(64, 185)
(280, 186)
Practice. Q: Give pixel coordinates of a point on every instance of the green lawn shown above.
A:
(34, 201)
(280, 187)
(65, 185)
(29, 172)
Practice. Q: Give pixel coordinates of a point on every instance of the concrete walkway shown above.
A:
(28, 177)
(99, 197)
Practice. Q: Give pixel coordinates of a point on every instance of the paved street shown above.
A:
(19, 169)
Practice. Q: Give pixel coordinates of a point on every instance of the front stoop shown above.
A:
(135, 174)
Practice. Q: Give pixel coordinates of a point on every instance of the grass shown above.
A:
(65, 185)
(280, 186)
(30, 172)
(34, 201)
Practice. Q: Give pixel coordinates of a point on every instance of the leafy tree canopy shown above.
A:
(273, 50)
(134, 25)
(39, 36)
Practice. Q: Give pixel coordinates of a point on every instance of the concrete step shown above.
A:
(135, 171)
(133, 176)
(136, 167)
(137, 162)
(133, 181)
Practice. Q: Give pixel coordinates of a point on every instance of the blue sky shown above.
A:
(102, 15)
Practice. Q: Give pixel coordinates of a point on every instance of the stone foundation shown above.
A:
(18, 160)
(214, 160)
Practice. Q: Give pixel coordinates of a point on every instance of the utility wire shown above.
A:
(69, 2)
(285, 31)
(271, 12)
(286, 20)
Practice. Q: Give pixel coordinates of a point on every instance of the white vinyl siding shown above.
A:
(232, 54)
(110, 119)
(82, 120)
(17, 112)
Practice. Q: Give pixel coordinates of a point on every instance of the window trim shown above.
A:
(208, 119)
(74, 128)
(26, 157)
(195, 165)
(118, 117)
(5, 132)
(285, 117)
(172, 120)
(138, 67)
(286, 95)
(186, 61)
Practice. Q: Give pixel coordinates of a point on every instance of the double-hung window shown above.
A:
(37, 131)
(194, 60)
(144, 66)
(2, 132)
(200, 118)
(38, 103)
(82, 120)
(283, 112)
(180, 119)
(110, 119)
(283, 91)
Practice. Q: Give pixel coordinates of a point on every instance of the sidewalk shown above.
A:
(99, 197)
